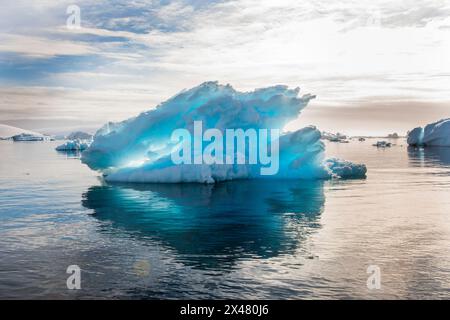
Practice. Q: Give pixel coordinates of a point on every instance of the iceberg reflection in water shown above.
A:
(236, 240)
(212, 226)
(429, 156)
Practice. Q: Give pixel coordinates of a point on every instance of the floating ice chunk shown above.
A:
(434, 134)
(382, 144)
(338, 137)
(140, 149)
(73, 145)
(28, 137)
(345, 169)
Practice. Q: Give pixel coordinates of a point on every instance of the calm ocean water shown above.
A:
(245, 239)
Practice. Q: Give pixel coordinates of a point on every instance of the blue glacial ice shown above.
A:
(435, 134)
(139, 149)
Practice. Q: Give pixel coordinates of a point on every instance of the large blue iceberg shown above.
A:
(140, 149)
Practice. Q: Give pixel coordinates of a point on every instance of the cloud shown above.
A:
(39, 47)
(145, 51)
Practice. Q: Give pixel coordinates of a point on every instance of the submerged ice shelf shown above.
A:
(140, 149)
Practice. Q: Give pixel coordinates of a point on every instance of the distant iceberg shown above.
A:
(28, 137)
(338, 137)
(79, 135)
(8, 132)
(436, 134)
(73, 145)
(140, 149)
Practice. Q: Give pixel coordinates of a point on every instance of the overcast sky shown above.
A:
(376, 67)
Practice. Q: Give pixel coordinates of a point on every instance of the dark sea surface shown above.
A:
(241, 239)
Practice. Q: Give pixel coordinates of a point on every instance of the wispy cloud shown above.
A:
(40, 47)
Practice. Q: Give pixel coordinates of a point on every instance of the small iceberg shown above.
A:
(73, 145)
(382, 144)
(28, 137)
(436, 134)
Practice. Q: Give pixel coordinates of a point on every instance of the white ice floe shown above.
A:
(435, 134)
(73, 145)
(140, 149)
